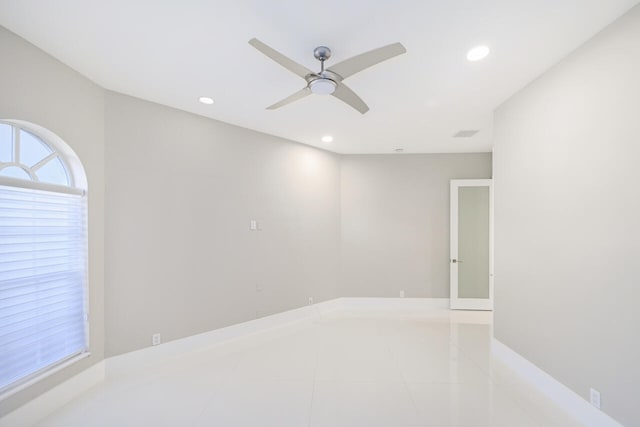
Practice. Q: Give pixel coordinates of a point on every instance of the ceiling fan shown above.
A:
(329, 81)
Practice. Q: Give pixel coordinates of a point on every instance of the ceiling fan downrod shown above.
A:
(322, 53)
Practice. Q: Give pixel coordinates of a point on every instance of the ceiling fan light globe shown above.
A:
(322, 86)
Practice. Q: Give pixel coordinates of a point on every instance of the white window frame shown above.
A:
(77, 186)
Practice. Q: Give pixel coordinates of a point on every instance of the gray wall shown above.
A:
(567, 209)
(181, 259)
(37, 88)
(181, 191)
(395, 221)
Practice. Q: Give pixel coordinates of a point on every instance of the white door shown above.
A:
(471, 260)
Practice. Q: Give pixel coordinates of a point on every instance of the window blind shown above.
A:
(43, 258)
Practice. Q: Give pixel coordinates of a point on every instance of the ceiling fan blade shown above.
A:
(343, 93)
(288, 100)
(287, 63)
(357, 63)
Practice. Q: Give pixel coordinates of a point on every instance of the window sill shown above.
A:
(41, 375)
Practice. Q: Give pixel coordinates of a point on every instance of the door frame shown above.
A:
(468, 303)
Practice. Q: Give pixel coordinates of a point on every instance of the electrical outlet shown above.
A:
(401, 294)
(253, 225)
(594, 397)
(258, 288)
(310, 300)
(155, 339)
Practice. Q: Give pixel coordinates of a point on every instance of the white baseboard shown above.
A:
(151, 356)
(38, 408)
(147, 357)
(393, 303)
(566, 398)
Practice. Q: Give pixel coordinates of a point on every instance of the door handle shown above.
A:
(456, 261)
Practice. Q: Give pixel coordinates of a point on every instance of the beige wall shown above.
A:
(395, 221)
(181, 259)
(567, 209)
(181, 191)
(37, 88)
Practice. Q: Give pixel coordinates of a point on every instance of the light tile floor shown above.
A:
(360, 368)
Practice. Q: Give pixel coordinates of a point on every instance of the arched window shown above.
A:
(43, 255)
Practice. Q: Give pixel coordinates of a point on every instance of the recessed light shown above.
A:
(327, 138)
(205, 100)
(478, 53)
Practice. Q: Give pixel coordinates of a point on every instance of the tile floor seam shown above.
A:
(205, 405)
(414, 404)
(313, 384)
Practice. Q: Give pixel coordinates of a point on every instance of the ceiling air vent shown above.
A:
(465, 133)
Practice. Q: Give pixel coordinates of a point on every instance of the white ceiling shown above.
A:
(173, 52)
